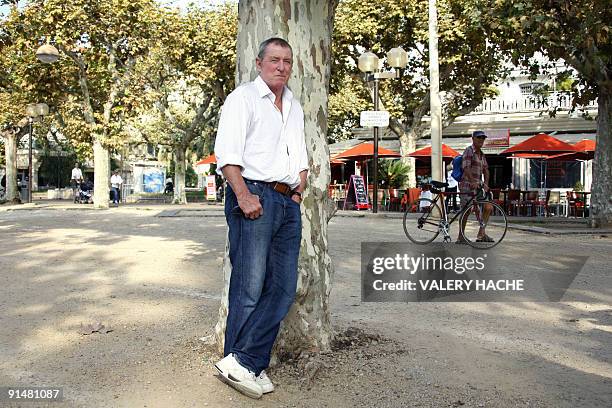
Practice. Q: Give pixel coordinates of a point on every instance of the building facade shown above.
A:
(523, 108)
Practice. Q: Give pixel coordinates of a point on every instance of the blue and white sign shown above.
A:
(153, 180)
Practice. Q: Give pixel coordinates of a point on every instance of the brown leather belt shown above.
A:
(282, 188)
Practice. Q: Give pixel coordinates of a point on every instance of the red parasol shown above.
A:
(365, 151)
(532, 155)
(540, 146)
(585, 150)
(212, 159)
(541, 143)
(425, 153)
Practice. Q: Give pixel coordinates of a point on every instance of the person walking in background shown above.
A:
(76, 178)
(169, 186)
(452, 188)
(116, 182)
(261, 152)
(475, 176)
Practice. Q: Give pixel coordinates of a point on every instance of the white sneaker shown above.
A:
(239, 377)
(264, 381)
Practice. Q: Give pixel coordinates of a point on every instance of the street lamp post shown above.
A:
(368, 63)
(33, 110)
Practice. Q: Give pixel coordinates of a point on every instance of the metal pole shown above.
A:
(435, 103)
(30, 162)
(375, 195)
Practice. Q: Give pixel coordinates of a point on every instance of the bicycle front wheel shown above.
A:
(485, 224)
(422, 221)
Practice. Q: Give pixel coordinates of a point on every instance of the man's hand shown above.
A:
(250, 205)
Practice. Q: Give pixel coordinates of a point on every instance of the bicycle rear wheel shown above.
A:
(422, 220)
(495, 228)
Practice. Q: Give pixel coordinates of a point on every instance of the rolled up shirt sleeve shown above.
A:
(303, 154)
(232, 131)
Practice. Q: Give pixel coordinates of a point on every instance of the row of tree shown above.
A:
(129, 72)
(134, 72)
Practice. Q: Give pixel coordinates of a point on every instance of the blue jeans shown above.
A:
(264, 255)
(115, 194)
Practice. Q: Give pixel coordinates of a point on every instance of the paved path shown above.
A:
(155, 279)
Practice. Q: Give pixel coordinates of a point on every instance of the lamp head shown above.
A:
(397, 58)
(47, 54)
(34, 110)
(368, 62)
(42, 109)
(31, 110)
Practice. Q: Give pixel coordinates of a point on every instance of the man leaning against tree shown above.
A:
(261, 152)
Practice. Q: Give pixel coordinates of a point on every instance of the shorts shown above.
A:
(465, 198)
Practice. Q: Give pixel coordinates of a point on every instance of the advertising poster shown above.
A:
(211, 188)
(153, 180)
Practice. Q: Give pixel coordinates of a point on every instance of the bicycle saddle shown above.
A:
(438, 184)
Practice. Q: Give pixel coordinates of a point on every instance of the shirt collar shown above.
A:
(264, 90)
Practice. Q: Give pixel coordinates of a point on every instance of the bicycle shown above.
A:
(425, 218)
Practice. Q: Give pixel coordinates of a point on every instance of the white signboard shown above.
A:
(211, 188)
(497, 138)
(374, 118)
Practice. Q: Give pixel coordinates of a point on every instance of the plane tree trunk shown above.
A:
(307, 26)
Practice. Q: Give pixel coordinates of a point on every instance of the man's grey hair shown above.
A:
(272, 40)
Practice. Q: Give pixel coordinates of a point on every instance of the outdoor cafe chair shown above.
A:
(496, 194)
(530, 202)
(576, 207)
(553, 200)
(513, 201)
(394, 199)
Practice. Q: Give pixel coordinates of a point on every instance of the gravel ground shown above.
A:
(155, 283)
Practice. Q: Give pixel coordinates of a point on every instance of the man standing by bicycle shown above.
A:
(475, 176)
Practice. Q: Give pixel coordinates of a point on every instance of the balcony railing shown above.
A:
(555, 100)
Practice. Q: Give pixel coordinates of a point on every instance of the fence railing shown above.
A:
(555, 100)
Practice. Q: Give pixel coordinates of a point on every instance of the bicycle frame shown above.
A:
(476, 211)
(445, 224)
(441, 197)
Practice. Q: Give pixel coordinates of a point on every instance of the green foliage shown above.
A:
(469, 62)
(56, 170)
(394, 173)
(119, 60)
(88, 89)
(578, 186)
(191, 178)
(579, 32)
(188, 77)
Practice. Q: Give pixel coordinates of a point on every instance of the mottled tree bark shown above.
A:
(307, 26)
(101, 174)
(10, 152)
(180, 197)
(408, 140)
(601, 191)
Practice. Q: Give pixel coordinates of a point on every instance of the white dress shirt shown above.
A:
(116, 181)
(253, 133)
(76, 174)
